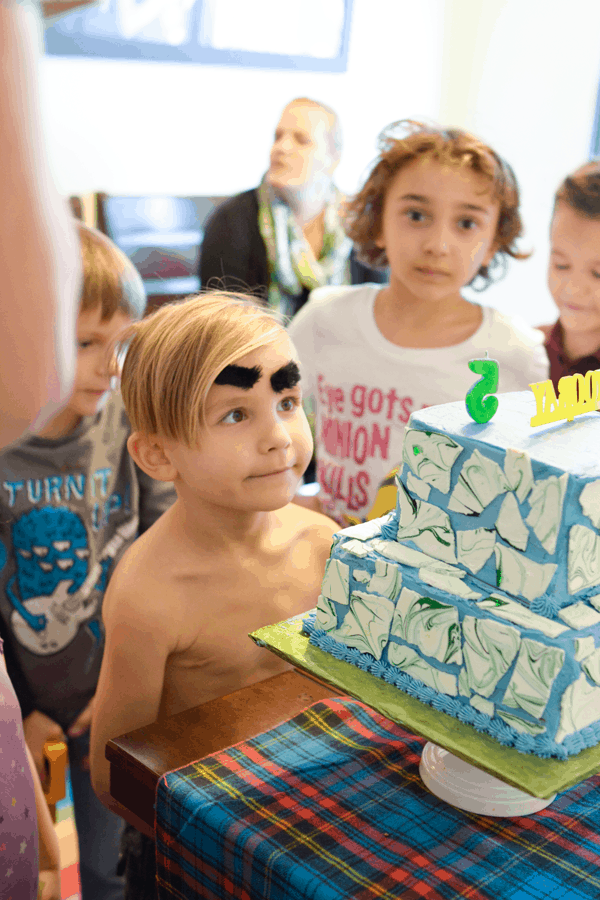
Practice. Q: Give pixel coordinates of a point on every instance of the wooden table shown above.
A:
(140, 758)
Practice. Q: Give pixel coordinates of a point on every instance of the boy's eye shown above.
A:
(233, 417)
(595, 274)
(467, 224)
(560, 268)
(289, 404)
(84, 344)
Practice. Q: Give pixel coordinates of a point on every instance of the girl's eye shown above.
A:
(560, 268)
(233, 417)
(468, 224)
(415, 215)
(83, 345)
(289, 404)
(596, 274)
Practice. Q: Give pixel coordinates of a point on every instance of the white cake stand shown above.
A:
(463, 785)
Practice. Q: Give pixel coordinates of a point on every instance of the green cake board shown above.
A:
(539, 777)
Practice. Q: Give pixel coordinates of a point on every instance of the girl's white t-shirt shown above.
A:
(364, 387)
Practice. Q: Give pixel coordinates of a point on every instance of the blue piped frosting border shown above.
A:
(538, 745)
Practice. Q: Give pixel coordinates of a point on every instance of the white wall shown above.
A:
(160, 128)
(523, 75)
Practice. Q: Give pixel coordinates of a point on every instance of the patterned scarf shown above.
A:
(292, 263)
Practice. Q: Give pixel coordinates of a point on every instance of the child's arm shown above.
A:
(49, 855)
(138, 642)
(40, 278)
(48, 849)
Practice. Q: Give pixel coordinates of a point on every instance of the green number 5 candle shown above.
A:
(480, 406)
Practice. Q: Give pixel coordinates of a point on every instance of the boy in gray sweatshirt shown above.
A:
(71, 502)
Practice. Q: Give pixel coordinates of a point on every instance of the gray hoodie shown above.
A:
(69, 508)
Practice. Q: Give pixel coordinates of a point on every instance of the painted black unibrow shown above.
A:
(285, 378)
(239, 376)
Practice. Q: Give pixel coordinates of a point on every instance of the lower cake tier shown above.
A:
(527, 681)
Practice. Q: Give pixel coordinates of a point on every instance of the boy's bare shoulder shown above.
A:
(140, 556)
(147, 570)
(309, 522)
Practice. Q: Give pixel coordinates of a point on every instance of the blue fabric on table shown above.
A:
(330, 806)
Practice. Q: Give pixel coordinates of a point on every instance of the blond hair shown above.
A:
(175, 354)
(110, 280)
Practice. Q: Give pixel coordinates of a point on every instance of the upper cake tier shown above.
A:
(515, 507)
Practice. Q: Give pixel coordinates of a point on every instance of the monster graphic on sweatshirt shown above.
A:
(55, 589)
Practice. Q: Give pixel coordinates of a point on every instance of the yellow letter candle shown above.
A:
(577, 394)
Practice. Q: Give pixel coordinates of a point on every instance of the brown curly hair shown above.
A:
(364, 212)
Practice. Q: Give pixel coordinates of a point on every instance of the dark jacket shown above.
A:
(233, 255)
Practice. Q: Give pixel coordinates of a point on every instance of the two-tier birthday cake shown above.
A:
(480, 593)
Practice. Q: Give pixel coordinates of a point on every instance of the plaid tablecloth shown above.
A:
(330, 806)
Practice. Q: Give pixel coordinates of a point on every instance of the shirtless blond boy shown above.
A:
(212, 389)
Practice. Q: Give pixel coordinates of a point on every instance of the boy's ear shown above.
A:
(151, 456)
